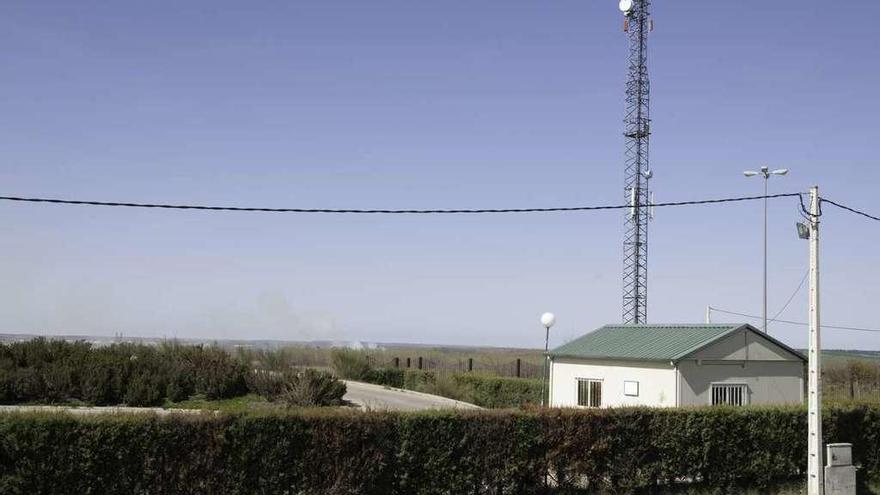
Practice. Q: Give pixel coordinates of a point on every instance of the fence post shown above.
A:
(470, 364)
(518, 367)
(420, 362)
(407, 362)
(397, 362)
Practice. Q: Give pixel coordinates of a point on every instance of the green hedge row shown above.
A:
(43, 370)
(500, 392)
(482, 452)
(485, 391)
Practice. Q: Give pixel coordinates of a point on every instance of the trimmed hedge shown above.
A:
(500, 392)
(52, 371)
(485, 391)
(482, 452)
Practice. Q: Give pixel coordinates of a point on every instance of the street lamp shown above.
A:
(547, 319)
(765, 172)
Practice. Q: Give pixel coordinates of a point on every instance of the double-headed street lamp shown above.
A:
(765, 173)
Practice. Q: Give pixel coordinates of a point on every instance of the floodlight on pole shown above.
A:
(765, 173)
(547, 320)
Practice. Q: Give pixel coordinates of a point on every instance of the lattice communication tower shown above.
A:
(637, 25)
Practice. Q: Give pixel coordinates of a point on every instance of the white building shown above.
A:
(675, 365)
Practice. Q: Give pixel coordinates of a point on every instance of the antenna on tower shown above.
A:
(637, 25)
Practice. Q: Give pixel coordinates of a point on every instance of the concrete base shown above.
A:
(840, 480)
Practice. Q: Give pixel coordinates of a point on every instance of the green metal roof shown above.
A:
(644, 342)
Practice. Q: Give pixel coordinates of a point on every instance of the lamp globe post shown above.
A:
(547, 320)
(765, 172)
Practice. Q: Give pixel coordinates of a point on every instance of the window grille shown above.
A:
(589, 393)
(729, 394)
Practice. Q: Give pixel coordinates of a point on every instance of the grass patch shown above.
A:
(245, 403)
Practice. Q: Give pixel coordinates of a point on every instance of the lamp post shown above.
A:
(765, 172)
(547, 319)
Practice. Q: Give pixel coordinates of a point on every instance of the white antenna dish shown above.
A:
(626, 6)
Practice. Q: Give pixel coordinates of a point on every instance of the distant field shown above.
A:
(833, 357)
(485, 360)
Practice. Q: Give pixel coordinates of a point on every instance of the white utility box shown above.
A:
(840, 474)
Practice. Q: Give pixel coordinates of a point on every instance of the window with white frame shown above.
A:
(631, 388)
(589, 392)
(730, 394)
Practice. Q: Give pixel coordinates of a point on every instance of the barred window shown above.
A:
(729, 394)
(589, 393)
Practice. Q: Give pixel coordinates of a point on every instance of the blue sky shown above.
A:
(400, 104)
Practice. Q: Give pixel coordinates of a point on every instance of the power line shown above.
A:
(380, 211)
(850, 209)
(791, 298)
(801, 323)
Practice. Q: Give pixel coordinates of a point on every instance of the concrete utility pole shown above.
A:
(815, 481)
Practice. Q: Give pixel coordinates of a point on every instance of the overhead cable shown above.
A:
(850, 209)
(381, 211)
(791, 297)
(801, 323)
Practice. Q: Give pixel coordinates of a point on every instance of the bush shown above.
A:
(445, 385)
(307, 388)
(97, 384)
(56, 371)
(28, 385)
(297, 388)
(350, 364)
(497, 392)
(484, 391)
(268, 384)
(390, 377)
(6, 385)
(724, 450)
(417, 379)
(144, 390)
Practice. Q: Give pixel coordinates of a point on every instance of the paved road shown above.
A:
(371, 396)
(364, 395)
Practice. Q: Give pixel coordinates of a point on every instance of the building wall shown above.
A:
(656, 382)
(745, 345)
(769, 382)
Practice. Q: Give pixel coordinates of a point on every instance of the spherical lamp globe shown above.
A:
(548, 319)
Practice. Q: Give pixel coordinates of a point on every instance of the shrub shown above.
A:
(445, 385)
(268, 384)
(6, 385)
(297, 388)
(485, 391)
(722, 450)
(390, 377)
(309, 387)
(59, 381)
(97, 384)
(28, 385)
(497, 392)
(417, 379)
(350, 364)
(144, 390)
(56, 371)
